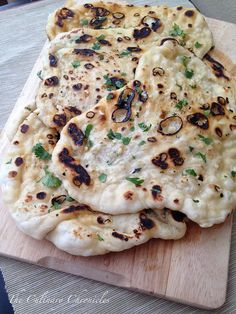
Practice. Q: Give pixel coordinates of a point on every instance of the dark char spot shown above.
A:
(76, 134)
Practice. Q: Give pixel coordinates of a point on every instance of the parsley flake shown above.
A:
(233, 173)
(103, 177)
(56, 205)
(9, 162)
(206, 112)
(69, 198)
(206, 140)
(200, 155)
(191, 148)
(40, 152)
(181, 104)
(144, 127)
(49, 180)
(135, 180)
(196, 201)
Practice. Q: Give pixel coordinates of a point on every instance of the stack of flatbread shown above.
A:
(132, 132)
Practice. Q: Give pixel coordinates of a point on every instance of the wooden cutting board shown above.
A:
(192, 270)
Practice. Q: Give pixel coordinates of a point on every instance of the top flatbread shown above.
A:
(166, 142)
(43, 208)
(187, 25)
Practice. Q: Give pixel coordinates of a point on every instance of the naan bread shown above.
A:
(41, 207)
(162, 20)
(82, 67)
(166, 142)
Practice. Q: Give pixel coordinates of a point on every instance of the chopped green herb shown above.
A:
(110, 96)
(101, 37)
(191, 172)
(141, 143)
(233, 173)
(191, 148)
(193, 86)
(195, 201)
(75, 64)
(144, 127)
(133, 157)
(181, 104)
(69, 198)
(56, 205)
(125, 53)
(185, 60)
(176, 31)
(9, 162)
(207, 112)
(99, 238)
(114, 135)
(88, 130)
(188, 73)
(197, 45)
(126, 140)
(40, 152)
(136, 181)
(101, 57)
(119, 84)
(96, 46)
(206, 140)
(132, 129)
(103, 177)
(84, 22)
(123, 74)
(50, 180)
(90, 143)
(200, 155)
(39, 74)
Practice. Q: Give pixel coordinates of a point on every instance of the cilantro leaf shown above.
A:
(206, 140)
(141, 143)
(189, 73)
(88, 130)
(176, 31)
(196, 201)
(75, 64)
(185, 60)
(181, 104)
(103, 177)
(114, 135)
(197, 45)
(40, 152)
(207, 112)
(191, 172)
(135, 180)
(191, 148)
(100, 238)
(56, 205)
(49, 180)
(9, 162)
(125, 53)
(84, 22)
(200, 155)
(233, 173)
(96, 46)
(126, 140)
(144, 127)
(101, 37)
(69, 198)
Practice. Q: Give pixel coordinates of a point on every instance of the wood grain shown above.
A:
(192, 270)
